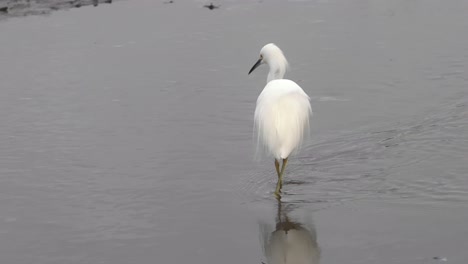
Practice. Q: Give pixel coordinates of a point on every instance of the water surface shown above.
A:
(126, 132)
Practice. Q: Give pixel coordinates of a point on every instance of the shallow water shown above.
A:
(126, 132)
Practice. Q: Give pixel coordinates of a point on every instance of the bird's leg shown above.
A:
(279, 184)
(277, 168)
(281, 172)
(277, 190)
(284, 165)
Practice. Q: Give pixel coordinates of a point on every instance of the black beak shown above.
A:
(256, 65)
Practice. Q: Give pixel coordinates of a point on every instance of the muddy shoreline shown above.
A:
(18, 8)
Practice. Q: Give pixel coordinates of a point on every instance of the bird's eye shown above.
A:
(261, 57)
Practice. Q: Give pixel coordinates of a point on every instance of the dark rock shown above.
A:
(211, 6)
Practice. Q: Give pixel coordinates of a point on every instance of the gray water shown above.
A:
(126, 132)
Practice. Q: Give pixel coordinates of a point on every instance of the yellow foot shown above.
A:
(277, 195)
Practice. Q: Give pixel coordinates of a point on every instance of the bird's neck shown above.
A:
(277, 71)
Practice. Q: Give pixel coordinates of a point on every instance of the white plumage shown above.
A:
(283, 110)
(282, 117)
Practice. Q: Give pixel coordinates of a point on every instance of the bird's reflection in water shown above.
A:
(292, 242)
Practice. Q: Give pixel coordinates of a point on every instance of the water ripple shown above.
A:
(418, 160)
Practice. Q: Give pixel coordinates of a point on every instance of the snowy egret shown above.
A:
(282, 112)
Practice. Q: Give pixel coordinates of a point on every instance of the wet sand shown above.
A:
(126, 133)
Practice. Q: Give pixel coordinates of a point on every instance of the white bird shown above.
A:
(282, 112)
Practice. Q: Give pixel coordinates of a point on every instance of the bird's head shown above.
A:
(273, 56)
